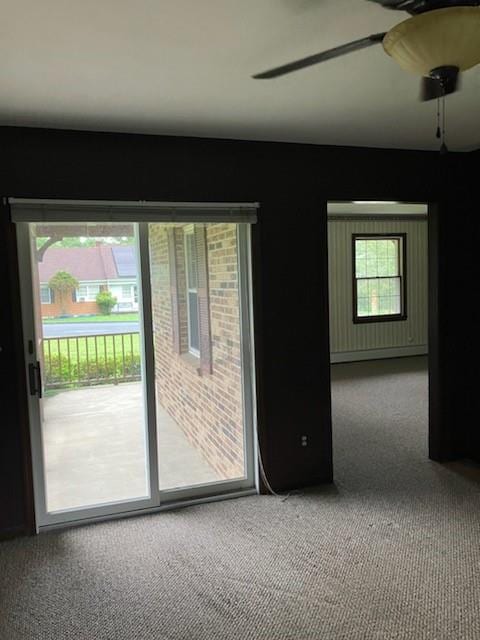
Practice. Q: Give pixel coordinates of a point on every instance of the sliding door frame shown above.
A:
(158, 499)
(250, 479)
(43, 517)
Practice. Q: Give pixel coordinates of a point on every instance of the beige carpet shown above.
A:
(392, 551)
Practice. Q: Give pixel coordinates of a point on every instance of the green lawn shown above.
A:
(114, 317)
(101, 346)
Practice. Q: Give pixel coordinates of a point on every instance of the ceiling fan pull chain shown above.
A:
(438, 134)
(443, 147)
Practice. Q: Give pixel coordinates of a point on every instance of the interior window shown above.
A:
(379, 277)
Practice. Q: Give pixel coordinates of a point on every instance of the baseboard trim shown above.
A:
(12, 532)
(378, 354)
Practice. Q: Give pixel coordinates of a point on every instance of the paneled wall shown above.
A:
(293, 184)
(349, 341)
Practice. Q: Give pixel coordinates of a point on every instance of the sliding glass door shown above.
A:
(201, 403)
(85, 338)
(138, 363)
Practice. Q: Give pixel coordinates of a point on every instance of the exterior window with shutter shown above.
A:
(191, 272)
(187, 247)
(46, 294)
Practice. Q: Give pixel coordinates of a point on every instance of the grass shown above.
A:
(108, 345)
(115, 317)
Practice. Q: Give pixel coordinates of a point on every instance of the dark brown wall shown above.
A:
(460, 260)
(293, 184)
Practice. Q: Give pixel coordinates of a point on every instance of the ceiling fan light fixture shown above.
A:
(440, 38)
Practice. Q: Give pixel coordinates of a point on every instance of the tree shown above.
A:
(106, 302)
(63, 283)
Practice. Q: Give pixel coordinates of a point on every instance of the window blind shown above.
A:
(52, 210)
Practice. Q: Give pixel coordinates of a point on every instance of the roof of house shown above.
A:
(101, 262)
(124, 258)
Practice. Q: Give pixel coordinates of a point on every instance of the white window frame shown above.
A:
(189, 231)
(88, 297)
(129, 296)
(44, 287)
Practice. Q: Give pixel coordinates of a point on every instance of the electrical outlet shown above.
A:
(304, 441)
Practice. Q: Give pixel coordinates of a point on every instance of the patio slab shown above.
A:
(94, 447)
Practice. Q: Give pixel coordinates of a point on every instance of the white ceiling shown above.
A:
(183, 67)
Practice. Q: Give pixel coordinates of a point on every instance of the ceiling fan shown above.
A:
(439, 40)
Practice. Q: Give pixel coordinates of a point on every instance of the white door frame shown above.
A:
(42, 516)
(157, 500)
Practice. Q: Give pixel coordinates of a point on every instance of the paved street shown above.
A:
(64, 330)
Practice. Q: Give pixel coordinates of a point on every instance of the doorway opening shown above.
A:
(379, 305)
(138, 357)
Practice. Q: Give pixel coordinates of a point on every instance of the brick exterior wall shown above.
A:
(208, 407)
(54, 309)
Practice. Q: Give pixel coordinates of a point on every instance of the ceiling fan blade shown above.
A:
(432, 88)
(399, 5)
(422, 6)
(356, 45)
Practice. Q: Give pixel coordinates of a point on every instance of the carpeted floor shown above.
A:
(391, 551)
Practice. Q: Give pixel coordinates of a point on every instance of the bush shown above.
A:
(58, 372)
(106, 302)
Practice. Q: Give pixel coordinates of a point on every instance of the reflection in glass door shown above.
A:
(197, 287)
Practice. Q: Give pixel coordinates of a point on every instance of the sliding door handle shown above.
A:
(35, 379)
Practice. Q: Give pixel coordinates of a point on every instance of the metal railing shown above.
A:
(78, 361)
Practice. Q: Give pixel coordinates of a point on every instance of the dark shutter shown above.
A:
(52, 296)
(172, 263)
(203, 299)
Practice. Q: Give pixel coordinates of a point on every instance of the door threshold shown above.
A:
(178, 504)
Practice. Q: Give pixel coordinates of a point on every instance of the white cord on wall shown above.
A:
(283, 496)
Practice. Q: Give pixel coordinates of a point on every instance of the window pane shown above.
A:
(361, 267)
(372, 270)
(44, 295)
(385, 306)
(191, 257)
(362, 289)
(95, 443)
(372, 249)
(384, 268)
(393, 247)
(200, 419)
(378, 296)
(194, 342)
(361, 249)
(382, 249)
(377, 269)
(377, 257)
(385, 287)
(395, 287)
(363, 307)
(392, 267)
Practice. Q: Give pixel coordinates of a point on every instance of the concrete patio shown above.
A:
(94, 446)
